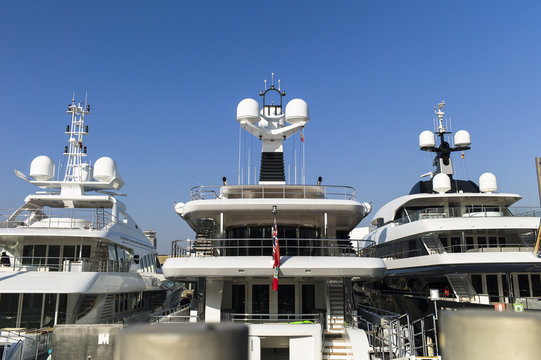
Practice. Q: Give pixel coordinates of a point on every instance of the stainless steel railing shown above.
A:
(86, 264)
(57, 218)
(206, 192)
(263, 247)
(316, 318)
(466, 212)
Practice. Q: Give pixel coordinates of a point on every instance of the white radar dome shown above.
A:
(488, 183)
(297, 111)
(426, 139)
(104, 169)
(248, 110)
(179, 208)
(462, 138)
(441, 183)
(42, 168)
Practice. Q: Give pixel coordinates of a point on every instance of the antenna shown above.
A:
(76, 170)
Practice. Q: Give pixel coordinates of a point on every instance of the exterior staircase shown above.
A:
(203, 246)
(461, 285)
(335, 307)
(432, 243)
(337, 347)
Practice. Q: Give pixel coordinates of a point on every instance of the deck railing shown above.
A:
(57, 218)
(316, 318)
(466, 212)
(206, 192)
(459, 248)
(263, 247)
(85, 264)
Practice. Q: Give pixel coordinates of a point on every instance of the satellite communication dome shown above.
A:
(42, 168)
(427, 140)
(462, 138)
(248, 110)
(297, 111)
(179, 208)
(104, 169)
(441, 183)
(488, 183)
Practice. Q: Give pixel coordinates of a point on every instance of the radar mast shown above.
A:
(76, 170)
(268, 124)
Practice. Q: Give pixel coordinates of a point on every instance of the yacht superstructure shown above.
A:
(458, 237)
(71, 253)
(233, 259)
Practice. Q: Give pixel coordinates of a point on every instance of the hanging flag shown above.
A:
(302, 137)
(462, 156)
(276, 256)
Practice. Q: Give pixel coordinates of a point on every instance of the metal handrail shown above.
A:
(57, 218)
(205, 192)
(64, 264)
(263, 246)
(450, 249)
(314, 318)
(467, 212)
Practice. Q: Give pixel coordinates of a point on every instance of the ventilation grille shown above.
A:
(272, 167)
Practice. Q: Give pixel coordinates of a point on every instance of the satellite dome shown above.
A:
(248, 110)
(297, 111)
(462, 138)
(179, 208)
(441, 183)
(488, 183)
(104, 169)
(426, 139)
(42, 168)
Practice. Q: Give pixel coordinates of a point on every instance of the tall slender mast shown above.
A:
(75, 168)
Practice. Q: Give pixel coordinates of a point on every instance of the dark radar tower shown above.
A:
(272, 126)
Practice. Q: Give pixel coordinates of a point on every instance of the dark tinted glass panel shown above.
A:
(469, 243)
(477, 283)
(492, 288)
(8, 313)
(492, 241)
(39, 254)
(505, 285)
(53, 257)
(238, 301)
(536, 285)
(62, 305)
(455, 244)
(49, 309)
(286, 299)
(523, 285)
(308, 299)
(482, 241)
(260, 299)
(28, 250)
(69, 252)
(31, 311)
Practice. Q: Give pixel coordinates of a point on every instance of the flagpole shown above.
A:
(275, 251)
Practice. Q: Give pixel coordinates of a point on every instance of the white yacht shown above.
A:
(309, 315)
(71, 254)
(461, 238)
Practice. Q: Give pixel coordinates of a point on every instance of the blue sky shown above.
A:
(164, 79)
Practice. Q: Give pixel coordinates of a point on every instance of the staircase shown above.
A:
(335, 307)
(432, 243)
(337, 347)
(461, 285)
(203, 246)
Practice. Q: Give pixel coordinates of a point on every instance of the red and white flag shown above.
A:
(276, 256)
